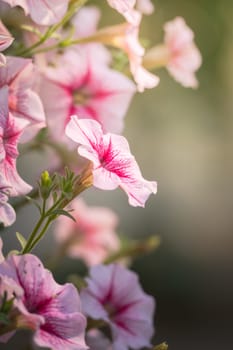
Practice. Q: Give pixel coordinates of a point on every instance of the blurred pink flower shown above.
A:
(92, 237)
(184, 57)
(10, 132)
(114, 295)
(24, 104)
(113, 164)
(145, 6)
(53, 311)
(81, 84)
(5, 41)
(44, 12)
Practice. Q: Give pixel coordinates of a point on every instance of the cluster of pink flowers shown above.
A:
(65, 92)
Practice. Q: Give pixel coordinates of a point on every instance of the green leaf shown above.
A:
(61, 212)
(21, 239)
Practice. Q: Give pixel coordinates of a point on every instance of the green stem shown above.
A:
(74, 6)
(33, 235)
(41, 234)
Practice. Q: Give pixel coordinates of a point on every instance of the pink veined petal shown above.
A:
(139, 192)
(85, 132)
(105, 179)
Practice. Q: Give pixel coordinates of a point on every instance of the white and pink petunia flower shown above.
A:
(24, 103)
(113, 164)
(10, 132)
(44, 12)
(115, 296)
(5, 41)
(92, 237)
(184, 57)
(53, 311)
(82, 85)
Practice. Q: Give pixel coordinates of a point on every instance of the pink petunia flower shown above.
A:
(115, 296)
(24, 104)
(184, 57)
(53, 311)
(113, 164)
(44, 12)
(10, 132)
(82, 85)
(5, 41)
(92, 237)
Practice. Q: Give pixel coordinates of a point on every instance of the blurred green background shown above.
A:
(183, 139)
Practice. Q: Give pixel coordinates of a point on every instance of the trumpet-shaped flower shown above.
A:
(24, 104)
(44, 12)
(184, 57)
(10, 132)
(113, 164)
(53, 311)
(82, 85)
(125, 37)
(114, 295)
(5, 41)
(92, 237)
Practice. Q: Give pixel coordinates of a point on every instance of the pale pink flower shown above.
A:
(7, 213)
(125, 37)
(92, 237)
(10, 132)
(53, 311)
(115, 296)
(184, 57)
(5, 41)
(44, 12)
(145, 6)
(113, 164)
(24, 104)
(81, 85)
